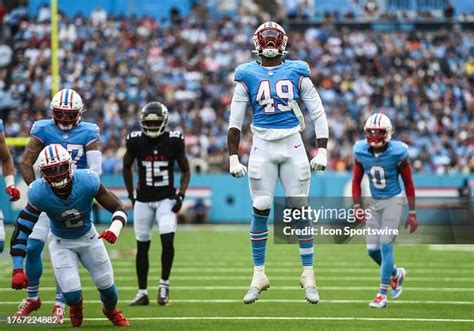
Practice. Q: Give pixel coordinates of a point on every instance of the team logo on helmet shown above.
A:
(378, 129)
(66, 108)
(55, 166)
(270, 40)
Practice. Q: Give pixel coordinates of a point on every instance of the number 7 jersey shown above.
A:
(270, 91)
(75, 140)
(382, 169)
(155, 161)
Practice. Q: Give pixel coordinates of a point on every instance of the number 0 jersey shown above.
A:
(155, 160)
(74, 140)
(271, 90)
(382, 169)
(70, 218)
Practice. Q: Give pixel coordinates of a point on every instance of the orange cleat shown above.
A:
(75, 314)
(116, 317)
(27, 306)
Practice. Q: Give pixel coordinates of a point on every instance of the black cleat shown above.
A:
(140, 300)
(163, 294)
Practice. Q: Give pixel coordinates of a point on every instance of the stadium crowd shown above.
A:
(424, 82)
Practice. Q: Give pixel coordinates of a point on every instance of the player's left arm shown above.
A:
(313, 103)
(25, 222)
(183, 165)
(8, 170)
(112, 203)
(407, 176)
(94, 157)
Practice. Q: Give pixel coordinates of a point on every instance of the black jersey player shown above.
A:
(155, 150)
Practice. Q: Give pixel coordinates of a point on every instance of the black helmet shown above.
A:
(153, 119)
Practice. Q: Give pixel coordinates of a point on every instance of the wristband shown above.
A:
(119, 219)
(9, 180)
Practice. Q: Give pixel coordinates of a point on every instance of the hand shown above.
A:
(237, 169)
(2, 246)
(320, 161)
(179, 202)
(359, 214)
(411, 221)
(14, 192)
(109, 236)
(132, 199)
(19, 279)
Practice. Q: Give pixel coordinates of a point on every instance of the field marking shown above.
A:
(277, 288)
(429, 302)
(325, 278)
(451, 248)
(292, 318)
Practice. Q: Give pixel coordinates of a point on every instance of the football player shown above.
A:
(156, 150)
(8, 172)
(80, 139)
(66, 196)
(383, 160)
(273, 86)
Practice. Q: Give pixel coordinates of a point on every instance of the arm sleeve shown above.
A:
(407, 177)
(25, 222)
(94, 161)
(313, 103)
(238, 106)
(357, 175)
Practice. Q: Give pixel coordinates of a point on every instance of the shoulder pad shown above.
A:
(301, 67)
(241, 71)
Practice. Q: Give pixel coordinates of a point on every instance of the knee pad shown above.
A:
(72, 297)
(373, 247)
(34, 247)
(297, 201)
(262, 202)
(104, 281)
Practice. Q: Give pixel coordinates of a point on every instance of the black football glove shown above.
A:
(179, 202)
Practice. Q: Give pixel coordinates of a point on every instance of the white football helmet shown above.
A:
(55, 165)
(378, 129)
(66, 108)
(270, 40)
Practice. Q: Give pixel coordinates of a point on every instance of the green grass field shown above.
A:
(213, 268)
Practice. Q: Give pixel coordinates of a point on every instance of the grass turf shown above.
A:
(213, 268)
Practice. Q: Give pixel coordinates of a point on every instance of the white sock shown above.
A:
(164, 282)
(259, 269)
(143, 292)
(308, 269)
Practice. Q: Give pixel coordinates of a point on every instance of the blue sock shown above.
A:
(386, 268)
(72, 298)
(259, 236)
(34, 266)
(109, 297)
(377, 257)
(59, 296)
(306, 244)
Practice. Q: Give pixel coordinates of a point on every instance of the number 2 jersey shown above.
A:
(70, 218)
(155, 161)
(75, 140)
(382, 169)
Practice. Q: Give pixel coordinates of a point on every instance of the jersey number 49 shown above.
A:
(284, 91)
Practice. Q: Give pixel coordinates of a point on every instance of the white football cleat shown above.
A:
(308, 283)
(259, 283)
(380, 301)
(397, 282)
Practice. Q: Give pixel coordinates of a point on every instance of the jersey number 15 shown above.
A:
(156, 173)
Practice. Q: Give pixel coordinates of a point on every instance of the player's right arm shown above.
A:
(357, 175)
(112, 203)
(25, 222)
(127, 172)
(32, 150)
(238, 107)
(8, 170)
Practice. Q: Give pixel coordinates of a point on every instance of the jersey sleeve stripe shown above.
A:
(90, 142)
(244, 85)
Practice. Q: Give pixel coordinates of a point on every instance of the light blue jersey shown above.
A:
(382, 169)
(70, 218)
(74, 140)
(271, 90)
(1, 127)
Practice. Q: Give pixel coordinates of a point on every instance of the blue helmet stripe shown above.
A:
(51, 153)
(66, 97)
(375, 118)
